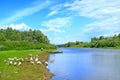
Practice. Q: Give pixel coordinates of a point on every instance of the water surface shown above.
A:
(85, 64)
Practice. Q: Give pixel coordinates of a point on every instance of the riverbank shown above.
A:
(26, 71)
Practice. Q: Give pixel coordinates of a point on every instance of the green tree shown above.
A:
(101, 38)
(94, 39)
(2, 37)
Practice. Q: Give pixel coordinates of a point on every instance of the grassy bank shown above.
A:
(26, 71)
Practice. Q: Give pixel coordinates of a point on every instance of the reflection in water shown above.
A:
(52, 61)
(106, 66)
(85, 64)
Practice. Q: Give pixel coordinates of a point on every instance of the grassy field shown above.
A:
(26, 71)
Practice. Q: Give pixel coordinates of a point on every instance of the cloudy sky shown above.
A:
(63, 20)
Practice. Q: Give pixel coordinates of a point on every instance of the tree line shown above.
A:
(100, 42)
(15, 39)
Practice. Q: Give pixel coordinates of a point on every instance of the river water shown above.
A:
(85, 64)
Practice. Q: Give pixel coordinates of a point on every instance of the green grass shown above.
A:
(26, 71)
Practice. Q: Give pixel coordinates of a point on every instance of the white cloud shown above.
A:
(57, 22)
(21, 27)
(105, 12)
(52, 30)
(104, 27)
(55, 10)
(58, 9)
(26, 12)
(94, 8)
(52, 13)
(55, 25)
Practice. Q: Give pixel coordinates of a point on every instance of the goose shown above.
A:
(41, 49)
(32, 62)
(19, 63)
(47, 67)
(36, 58)
(15, 63)
(11, 62)
(31, 59)
(11, 59)
(38, 62)
(46, 62)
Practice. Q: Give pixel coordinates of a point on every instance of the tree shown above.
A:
(94, 39)
(2, 37)
(15, 39)
(77, 42)
(119, 36)
(101, 38)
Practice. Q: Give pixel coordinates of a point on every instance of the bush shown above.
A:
(2, 47)
(24, 45)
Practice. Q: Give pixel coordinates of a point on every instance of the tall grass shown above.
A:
(24, 45)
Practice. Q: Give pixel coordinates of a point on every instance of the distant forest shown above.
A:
(100, 42)
(15, 39)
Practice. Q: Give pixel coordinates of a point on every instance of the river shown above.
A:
(85, 64)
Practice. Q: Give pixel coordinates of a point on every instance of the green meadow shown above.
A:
(26, 71)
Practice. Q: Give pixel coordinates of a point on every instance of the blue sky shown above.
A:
(63, 20)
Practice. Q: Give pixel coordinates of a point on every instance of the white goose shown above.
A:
(11, 62)
(38, 62)
(46, 62)
(19, 63)
(32, 62)
(36, 58)
(15, 63)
